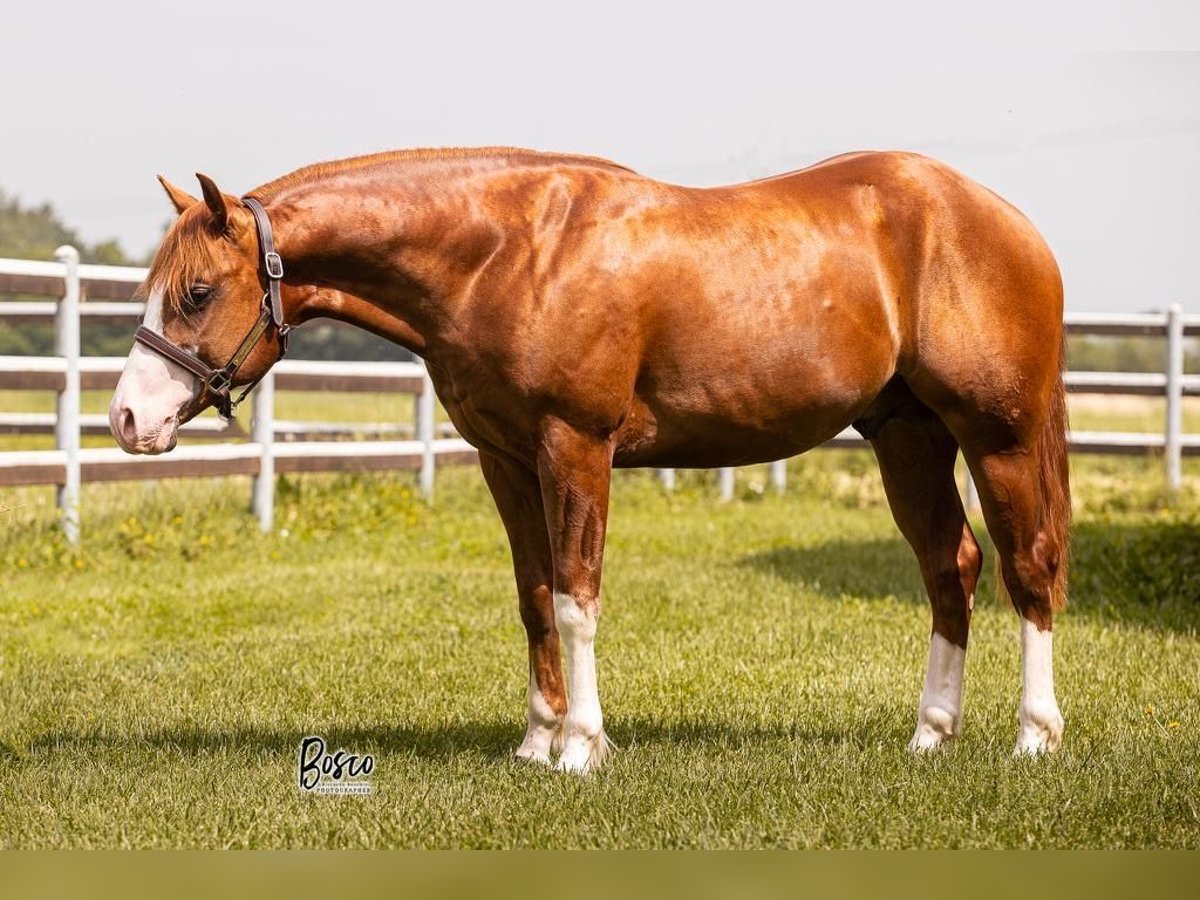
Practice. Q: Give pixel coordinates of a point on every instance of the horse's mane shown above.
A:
(186, 253)
(188, 250)
(511, 155)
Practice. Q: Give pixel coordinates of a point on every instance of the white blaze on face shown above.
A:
(1041, 721)
(940, 716)
(585, 744)
(143, 415)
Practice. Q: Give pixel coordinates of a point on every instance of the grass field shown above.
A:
(760, 664)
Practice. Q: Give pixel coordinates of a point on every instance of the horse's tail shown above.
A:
(1054, 482)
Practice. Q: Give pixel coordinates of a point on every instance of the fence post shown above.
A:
(972, 492)
(725, 479)
(262, 432)
(425, 433)
(778, 471)
(1173, 439)
(667, 477)
(66, 421)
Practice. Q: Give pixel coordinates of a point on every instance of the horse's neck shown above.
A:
(408, 252)
(322, 303)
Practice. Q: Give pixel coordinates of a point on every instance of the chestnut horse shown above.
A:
(577, 316)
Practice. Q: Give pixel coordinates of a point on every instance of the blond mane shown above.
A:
(188, 250)
(512, 155)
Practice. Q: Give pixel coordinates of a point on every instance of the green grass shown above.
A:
(760, 664)
(1102, 413)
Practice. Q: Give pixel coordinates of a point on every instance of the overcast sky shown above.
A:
(1100, 149)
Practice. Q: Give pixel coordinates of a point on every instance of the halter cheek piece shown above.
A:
(217, 383)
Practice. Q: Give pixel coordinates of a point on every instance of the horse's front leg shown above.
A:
(519, 500)
(575, 470)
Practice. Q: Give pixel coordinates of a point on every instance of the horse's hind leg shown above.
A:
(1028, 529)
(1010, 419)
(916, 456)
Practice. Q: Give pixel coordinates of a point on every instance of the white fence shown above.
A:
(264, 455)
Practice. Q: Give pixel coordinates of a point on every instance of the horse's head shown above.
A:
(204, 295)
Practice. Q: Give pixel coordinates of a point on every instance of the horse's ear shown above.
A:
(215, 200)
(180, 198)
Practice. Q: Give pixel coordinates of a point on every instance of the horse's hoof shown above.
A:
(529, 754)
(926, 740)
(540, 743)
(582, 754)
(936, 728)
(1041, 730)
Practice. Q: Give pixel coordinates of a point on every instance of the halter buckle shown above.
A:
(274, 265)
(219, 382)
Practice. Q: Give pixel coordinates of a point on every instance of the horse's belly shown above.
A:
(725, 445)
(773, 370)
(737, 423)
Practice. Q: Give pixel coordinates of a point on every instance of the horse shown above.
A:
(576, 316)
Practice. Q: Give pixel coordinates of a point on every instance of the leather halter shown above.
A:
(217, 383)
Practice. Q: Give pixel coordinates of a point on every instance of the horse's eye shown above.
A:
(198, 295)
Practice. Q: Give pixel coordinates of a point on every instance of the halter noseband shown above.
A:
(217, 383)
